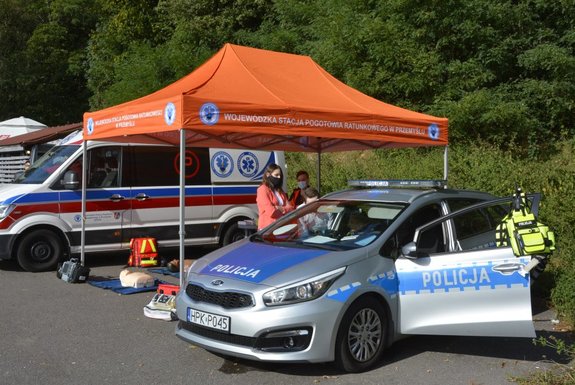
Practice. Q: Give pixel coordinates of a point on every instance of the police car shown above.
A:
(344, 277)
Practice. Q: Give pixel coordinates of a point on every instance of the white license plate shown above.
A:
(209, 320)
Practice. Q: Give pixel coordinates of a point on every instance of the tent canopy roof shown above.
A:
(18, 126)
(41, 136)
(251, 98)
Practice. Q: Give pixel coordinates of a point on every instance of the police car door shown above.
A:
(453, 280)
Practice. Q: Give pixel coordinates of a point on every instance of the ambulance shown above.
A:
(132, 191)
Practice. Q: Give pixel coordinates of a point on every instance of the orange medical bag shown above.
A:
(143, 252)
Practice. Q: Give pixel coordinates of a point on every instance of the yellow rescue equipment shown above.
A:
(521, 230)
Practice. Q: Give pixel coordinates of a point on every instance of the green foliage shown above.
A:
(43, 59)
(561, 374)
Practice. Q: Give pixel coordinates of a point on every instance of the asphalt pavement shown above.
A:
(55, 332)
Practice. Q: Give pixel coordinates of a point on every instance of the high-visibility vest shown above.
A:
(521, 230)
(143, 252)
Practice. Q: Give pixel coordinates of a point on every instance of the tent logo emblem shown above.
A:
(209, 114)
(433, 131)
(90, 126)
(170, 113)
(222, 164)
(248, 164)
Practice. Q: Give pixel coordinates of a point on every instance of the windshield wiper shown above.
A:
(257, 237)
(321, 246)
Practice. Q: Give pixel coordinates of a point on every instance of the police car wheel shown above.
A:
(39, 250)
(361, 336)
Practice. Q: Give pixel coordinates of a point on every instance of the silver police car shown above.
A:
(344, 277)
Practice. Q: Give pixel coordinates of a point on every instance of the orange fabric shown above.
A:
(247, 97)
(296, 197)
(267, 206)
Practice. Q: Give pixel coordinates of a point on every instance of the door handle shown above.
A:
(116, 197)
(142, 197)
(507, 268)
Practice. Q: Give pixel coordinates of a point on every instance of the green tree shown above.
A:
(43, 69)
(144, 45)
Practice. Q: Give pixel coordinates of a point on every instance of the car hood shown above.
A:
(266, 264)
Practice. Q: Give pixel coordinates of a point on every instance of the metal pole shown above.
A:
(182, 205)
(318, 172)
(445, 164)
(84, 177)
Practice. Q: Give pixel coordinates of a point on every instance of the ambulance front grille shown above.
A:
(227, 300)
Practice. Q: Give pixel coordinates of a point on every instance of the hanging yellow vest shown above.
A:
(520, 230)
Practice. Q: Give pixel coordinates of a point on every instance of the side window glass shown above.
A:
(160, 166)
(476, 229)
(460, 203)
(103, 170)
(406, 231)
(76, 168)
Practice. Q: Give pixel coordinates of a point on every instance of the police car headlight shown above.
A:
(5, 210)
(302, 291)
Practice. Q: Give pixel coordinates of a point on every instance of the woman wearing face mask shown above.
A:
(296, 198)
(271, 199)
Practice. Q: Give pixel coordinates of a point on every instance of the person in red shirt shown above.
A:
(272, 201)
(296, 198)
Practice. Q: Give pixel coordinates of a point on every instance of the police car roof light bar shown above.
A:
(401, 183)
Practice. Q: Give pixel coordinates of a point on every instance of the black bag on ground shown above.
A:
(72, 271)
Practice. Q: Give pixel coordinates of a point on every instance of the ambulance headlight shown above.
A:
(302, 291)
(5, 210)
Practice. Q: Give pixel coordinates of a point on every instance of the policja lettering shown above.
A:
(237, 270)
(455, 277)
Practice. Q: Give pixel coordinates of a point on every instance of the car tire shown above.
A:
(361, 338)
(232, 233)
(39, 250)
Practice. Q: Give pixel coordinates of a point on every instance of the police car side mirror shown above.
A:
(409, 250)
(70, 180)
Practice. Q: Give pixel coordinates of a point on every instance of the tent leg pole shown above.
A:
(445, 164)
(83, 208)
(182, 204)
(318, 171)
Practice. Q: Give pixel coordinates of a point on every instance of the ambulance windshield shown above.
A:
(46, 165)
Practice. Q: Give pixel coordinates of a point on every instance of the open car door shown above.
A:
(454, 280)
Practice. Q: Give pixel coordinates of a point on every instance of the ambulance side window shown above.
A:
(103, 170)
(160, 166)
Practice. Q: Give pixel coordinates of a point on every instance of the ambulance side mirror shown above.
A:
(71, 180)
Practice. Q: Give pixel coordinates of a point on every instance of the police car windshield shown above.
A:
(46, 165)
(334, 225)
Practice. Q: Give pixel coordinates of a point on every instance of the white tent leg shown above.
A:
(84, 177)
(182, 205)
(318, 172)
(445, 164)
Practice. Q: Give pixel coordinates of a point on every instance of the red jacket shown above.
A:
(269, 208)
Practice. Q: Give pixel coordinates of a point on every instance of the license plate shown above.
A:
(209, 320)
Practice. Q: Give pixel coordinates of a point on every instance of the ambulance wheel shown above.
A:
(361, 336)
(39, 250)
(232, 234)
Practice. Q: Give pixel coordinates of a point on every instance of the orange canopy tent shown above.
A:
(251, 98)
